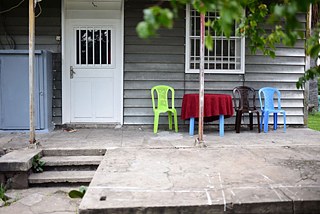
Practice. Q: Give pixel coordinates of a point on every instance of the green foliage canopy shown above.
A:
(251, 16)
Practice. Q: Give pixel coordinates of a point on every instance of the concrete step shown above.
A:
(71, 160)
(54, 177)
(71, 163)
(71, 168)
(73, 152)
(18, 160)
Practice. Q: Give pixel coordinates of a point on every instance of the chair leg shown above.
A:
(284, 121)
(175, 121)
(275, 121)
(155, 122)
(258, 121)
(170, 119)
(251, 120)
(261, 121)
(238, 121)
(265, 121)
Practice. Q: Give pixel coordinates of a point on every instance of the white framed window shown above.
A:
(93, 46)
(227, 55)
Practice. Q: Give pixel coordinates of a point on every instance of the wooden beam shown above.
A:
(200, 141)
(32, 138)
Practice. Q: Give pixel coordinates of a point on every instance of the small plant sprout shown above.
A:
(37, 164)
(3, 196)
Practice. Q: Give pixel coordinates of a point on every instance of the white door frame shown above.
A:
(66, 99)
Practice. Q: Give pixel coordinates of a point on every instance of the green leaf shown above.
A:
(315, 50)
(300, 82)
(76, 194)
(143, 30)
(37, 164)
(2, 192)
(278, 10)
(272, 54)
(209, 42)
(166, 18)
(253, 23)
(83, 189)
(149, 15)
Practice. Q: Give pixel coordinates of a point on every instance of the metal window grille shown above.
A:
(227, 55)
(93, 46)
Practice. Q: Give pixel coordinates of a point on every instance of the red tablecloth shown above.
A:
(214, 105)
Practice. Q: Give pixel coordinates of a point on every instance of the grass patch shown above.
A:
(314, 121)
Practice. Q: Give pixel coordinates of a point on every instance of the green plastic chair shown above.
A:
(162, 106)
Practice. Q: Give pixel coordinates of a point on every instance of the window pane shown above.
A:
(90, 47)
(97, 47)
(83, 47)
(104, 47)
(232, 48)
(218, 48)
(225, 48)
(109, 47)
(225, 66)
(77, 46)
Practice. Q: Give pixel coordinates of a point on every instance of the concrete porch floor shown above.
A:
(142, 172)
(143, 137)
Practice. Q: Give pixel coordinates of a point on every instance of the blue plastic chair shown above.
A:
(266, 96)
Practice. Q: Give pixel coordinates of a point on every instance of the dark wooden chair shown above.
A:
(244, 102)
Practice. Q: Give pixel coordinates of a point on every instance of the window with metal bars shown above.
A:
(227, 55)
(93, 46)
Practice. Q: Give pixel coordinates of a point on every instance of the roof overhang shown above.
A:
(93, 4)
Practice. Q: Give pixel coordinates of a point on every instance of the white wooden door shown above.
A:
(94, 71)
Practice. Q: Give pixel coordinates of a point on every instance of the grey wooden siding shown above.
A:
(57, 89)
(282, 73)
(161, 61)
(150, 62)
(48, 26)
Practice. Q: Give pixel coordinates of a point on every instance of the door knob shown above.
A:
(72, 72)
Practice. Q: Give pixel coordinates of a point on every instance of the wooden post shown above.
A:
(200, 140)
(307, 66)
(32, 139)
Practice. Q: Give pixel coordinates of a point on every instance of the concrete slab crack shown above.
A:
(305, 177)
(167, 173)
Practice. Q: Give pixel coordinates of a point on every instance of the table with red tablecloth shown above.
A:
(216, 106)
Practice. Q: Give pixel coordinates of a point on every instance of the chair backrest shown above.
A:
(266, 96)
(244, 98)
(162, 92)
